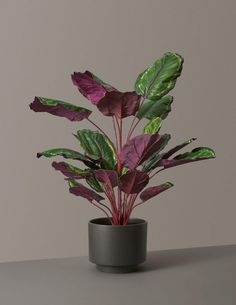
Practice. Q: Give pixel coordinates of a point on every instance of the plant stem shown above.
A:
(104, 211)
(114, 126)
(135, 117)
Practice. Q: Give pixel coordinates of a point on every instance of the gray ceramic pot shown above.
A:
(115, 248)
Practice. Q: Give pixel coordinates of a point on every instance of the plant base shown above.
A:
(117, 269)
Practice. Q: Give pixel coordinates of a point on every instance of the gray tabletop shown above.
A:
(197, 276)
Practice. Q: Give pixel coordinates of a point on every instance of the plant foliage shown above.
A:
(121, 169)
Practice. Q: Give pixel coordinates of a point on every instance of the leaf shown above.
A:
(158, 79)
(120, 104)
(70, 171)
(96, 144)
(177, 148)
(153, 109)
(153, 160)
(108, 177)
(94, 183)
(68, 154)
(197, 154)
(133, 182)
(152, 191)
(60, 108)
(139, 149)
(81, 190)
(71, 182)
(153, 126)
(90, 86)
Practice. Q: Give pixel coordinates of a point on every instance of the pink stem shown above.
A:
(104, 211)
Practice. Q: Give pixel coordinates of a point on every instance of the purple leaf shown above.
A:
(139, 149)
(81, 190)
(152, 191)
(133, 182)
(119, 103)
(109, 177)
(70, 171)
(60, 108)
(90, 86)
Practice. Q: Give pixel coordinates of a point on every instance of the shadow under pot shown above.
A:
(117, 248)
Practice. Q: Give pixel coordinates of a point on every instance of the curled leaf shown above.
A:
(90, 86)
(197, 154)
(177, 148)
(81, 190)
(70, 171)
(60, 108)
(68, 154)
(152, 191)
(119, 104)
(133, 182)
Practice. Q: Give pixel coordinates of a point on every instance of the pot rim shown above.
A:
(134, 222)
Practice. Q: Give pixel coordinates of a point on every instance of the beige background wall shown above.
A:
(42, 43)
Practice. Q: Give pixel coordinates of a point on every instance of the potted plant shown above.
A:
(117, 172)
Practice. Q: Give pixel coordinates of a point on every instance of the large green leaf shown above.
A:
(68, 154)
(158, 79)
(153, 126)
(96, 144)
(152, 109)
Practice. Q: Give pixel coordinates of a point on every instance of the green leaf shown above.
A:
(153, 126)
(96, 144)
(71, 182)
(196, 154)
(68, 154)
(152, 109)
(158, 79)
(153, 160)
(94, 184)
(64, 152)
(124, 170)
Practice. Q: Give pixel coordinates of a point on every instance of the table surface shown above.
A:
(196, 276)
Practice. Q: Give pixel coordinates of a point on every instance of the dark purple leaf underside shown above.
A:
(109, 177)
(133, 182)
(119, 104)
(59, 108)
(139, 149)
(69, 171)
(90, 86)
(152, 191)
(81, 190)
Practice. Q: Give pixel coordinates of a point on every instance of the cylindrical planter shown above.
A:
(117, 249)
